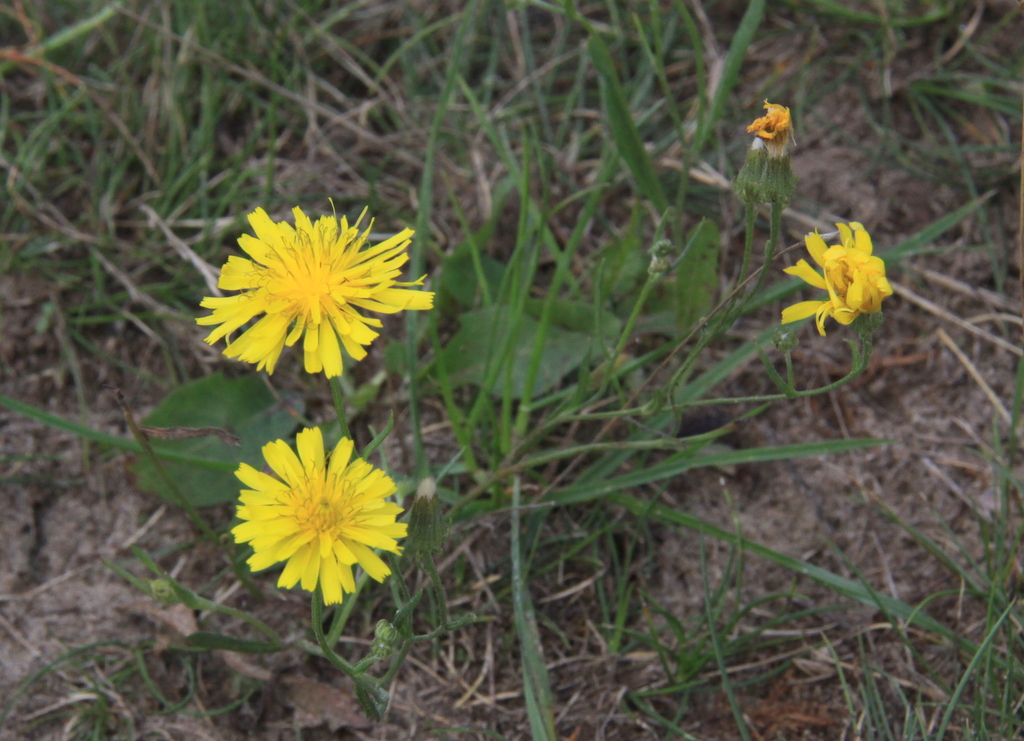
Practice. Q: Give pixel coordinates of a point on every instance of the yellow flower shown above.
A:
(322, 517)
(855, 280)
(310, 278)
(775, 129)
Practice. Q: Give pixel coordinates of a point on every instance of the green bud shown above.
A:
(661, 253)
(785, 338)
(163, 592)
(428, 527)
(867, 324)
(386, 641)
(763, 178)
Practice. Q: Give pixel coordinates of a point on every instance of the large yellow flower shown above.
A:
(321, 517)
(855, 280)
(310, 278)
(775, 129)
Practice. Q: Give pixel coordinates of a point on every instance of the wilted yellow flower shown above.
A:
(321, 517)
(775, 129)
(855, 280)
(310, 278)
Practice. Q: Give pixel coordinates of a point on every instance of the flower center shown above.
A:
(323, 512)
(303, 279)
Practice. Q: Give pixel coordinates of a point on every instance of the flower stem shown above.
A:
(317, 610)
(427, 563)
(339, 406)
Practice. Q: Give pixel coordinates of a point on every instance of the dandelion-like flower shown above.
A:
(854, 279)
(310, 278)
(322, 517)
(775, 129)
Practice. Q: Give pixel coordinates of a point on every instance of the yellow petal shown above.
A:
(855, 295)
(370, 561)
(804, 271)
(282, 459)
(846, 236)
(343, 554)
(799, 311)
(295, 567)
(816, 246)
(310, 443)
(339, 458)
(330, 353)
(258, 480)
(312, 570)
(330, 579)
(862, 240)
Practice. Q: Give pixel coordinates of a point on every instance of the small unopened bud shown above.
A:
(785, 339)
(386, 640)
(428, 527)
(162, 591)
(661, 253)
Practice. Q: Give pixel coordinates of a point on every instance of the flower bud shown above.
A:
(767, 175)
(428, 527)
(163, 592)
(386, 640)
(661, 253)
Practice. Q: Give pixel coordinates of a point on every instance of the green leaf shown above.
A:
(214, 641)
(243, 406)
(577, 316)
(537, 692)
(624, 264)
(697, 275)
(623, 128)
(473, 350)
(731, 70)
(839, 585)
(121, 443)
(460, 283)
(675, 464)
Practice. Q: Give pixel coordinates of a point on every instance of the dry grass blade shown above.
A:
(949, 316)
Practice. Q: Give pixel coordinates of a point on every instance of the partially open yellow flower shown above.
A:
(322, 517)
(310, 278)
(775, 129)
(854, 279)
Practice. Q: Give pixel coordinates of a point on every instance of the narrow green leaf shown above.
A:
(536, 682)
(219, 641)
(121, 443)
(623, 128)
(697, 275)
(838, 584)
(731, 71)
(687, 459)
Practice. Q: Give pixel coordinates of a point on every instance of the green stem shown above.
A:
(344, 611)
(427, 562)
(317, 610)
(748, 243)
(339, 406)
(861, 366)
(769, 252)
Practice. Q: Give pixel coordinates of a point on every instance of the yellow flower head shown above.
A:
(322, 517)
(855, 280)
(309, 278)
(775, 129)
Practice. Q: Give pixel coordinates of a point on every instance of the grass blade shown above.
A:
(536, 683)
(623, 128)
